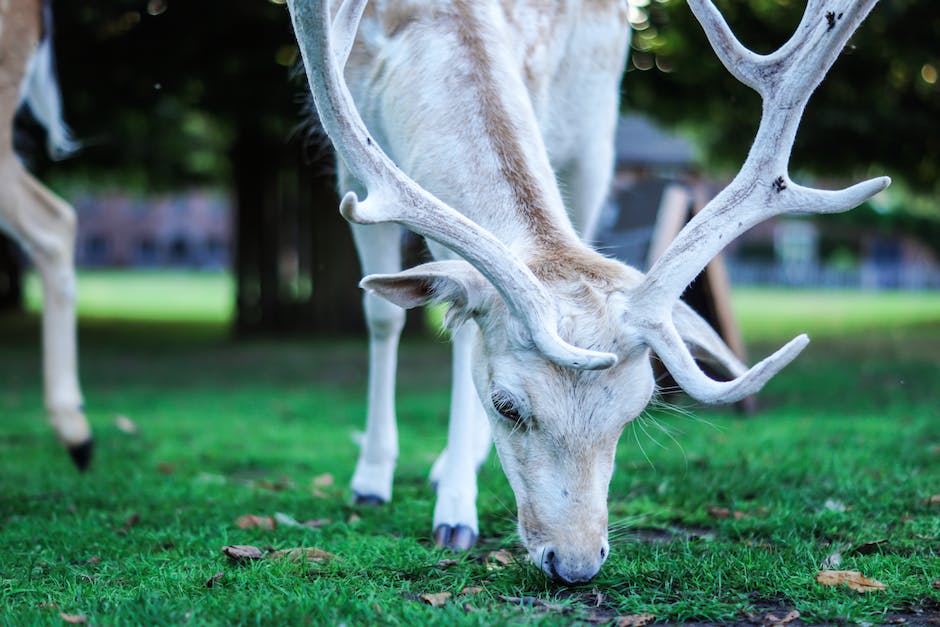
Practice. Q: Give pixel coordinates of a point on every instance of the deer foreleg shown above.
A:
(379, 252)
(44, 224)
(468, 442)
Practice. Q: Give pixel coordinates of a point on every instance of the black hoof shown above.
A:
(459, 538)
(367, 499)
(82, 453)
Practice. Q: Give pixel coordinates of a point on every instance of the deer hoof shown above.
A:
(81, 454)
(458, 537)
(367, 499)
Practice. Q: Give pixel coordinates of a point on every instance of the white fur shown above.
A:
(490, 109)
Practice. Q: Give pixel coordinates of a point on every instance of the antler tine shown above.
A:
(394, 197)
(762, 189)
(343, 31)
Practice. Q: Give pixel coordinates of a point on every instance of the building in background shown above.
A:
(183, 230)
(656, 169)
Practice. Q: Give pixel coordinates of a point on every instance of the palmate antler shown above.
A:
(785, 80)
(394, 197)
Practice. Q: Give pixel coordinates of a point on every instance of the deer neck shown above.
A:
(456, 116)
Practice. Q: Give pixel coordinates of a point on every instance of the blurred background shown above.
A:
(202, 192)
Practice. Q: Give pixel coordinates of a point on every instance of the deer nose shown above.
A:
(571, 567)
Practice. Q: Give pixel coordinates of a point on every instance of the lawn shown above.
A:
(715, 517)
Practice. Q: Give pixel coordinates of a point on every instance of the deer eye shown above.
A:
(507, 406)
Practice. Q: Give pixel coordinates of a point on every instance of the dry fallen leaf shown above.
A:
(309, 553)
(126, 425)
(935, 584)
(132, 520)
(323, 481)
(210, 582)
(242, 552)
(634, 620)
(471, 590)
(73, 619)
(851, 578)
(868, 547)
(771, 619)
(724, 512)
(932, 500)
(444, 564)
(502, 556)
(93, 560)
(437, 599)
(250, 521)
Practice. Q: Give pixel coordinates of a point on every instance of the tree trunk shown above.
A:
(11, 276)
(296, 267)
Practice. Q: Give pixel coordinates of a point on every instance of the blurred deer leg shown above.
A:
(455, 513)
(379, 252)
(586, 182)
(45, 225)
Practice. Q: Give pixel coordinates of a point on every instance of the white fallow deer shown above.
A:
(488, 130)
(42, 223)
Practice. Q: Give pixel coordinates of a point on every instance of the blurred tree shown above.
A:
(877, 111)
(166, 94)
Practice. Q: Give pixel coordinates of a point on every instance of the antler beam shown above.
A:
(394, 197)
(785, 80)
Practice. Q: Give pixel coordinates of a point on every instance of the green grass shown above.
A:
(148, 295)
(228, 429)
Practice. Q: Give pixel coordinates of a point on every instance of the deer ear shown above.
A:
(454, 282)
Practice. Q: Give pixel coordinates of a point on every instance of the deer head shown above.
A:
(562, 358)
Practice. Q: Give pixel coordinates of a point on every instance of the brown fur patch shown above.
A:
(19, 34)
(529, 197)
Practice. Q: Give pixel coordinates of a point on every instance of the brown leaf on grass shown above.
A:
(724, 512)
(932, 500)
(210, 582)
(250, 521)
(93, 560)
(132, 520)
(498, 559)
(634, 620)
(166, 468)
(445, 564)
(242, 552)
(275, 486)
(935, 584)
(470, 590)
(74, 619)
(851, 578)
(772, 619)
(867, 548)
(126, 425)
(437, 599)
(308, 553)
(325, 480)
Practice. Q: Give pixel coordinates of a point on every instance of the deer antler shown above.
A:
(785, 80)
(394, 197)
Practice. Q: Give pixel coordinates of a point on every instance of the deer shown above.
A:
(486, 126)
(41, 222)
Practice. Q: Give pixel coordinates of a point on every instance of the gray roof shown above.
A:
(642, 143)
